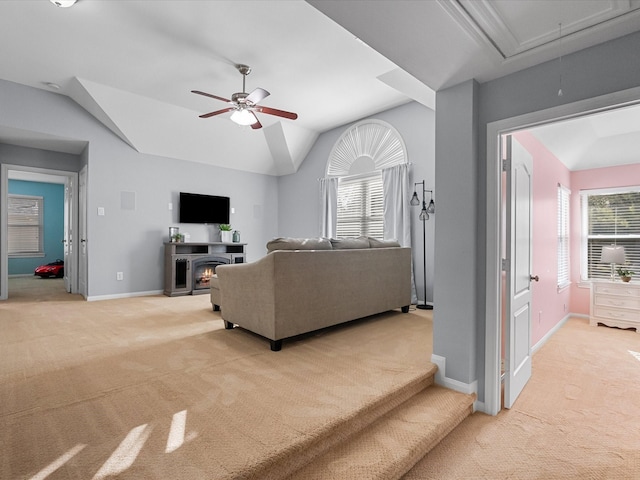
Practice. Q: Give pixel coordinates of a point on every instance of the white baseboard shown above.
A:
(479, 406)
(555, 328)
(95, 298)
(442, 379)
(441, 362)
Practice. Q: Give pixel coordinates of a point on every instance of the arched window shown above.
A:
(357, 160)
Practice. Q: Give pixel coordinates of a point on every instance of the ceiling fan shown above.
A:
(245, 105)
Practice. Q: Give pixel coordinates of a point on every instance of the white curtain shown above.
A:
(328, 206)
(397, 220)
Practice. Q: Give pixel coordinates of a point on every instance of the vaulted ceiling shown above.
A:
(445, 42)
(132, 64)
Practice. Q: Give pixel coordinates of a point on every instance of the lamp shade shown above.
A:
(432, 207)
(243, 117)
(612, 254)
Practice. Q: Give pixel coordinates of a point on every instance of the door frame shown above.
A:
(71, 182)
(493, 268)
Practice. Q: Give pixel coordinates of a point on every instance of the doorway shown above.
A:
(69, 180)
(496, 247)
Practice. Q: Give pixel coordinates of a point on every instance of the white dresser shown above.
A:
(615, 304)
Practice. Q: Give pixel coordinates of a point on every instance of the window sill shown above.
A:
(563, 287)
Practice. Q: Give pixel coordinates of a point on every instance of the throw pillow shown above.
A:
(350, 242)
(287, 243)
(375, 243)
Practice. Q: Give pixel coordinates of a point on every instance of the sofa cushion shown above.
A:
(287, 243)
(375, 243)
(350, 242)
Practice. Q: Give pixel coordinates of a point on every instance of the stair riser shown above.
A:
(391, 446)
(305, 452)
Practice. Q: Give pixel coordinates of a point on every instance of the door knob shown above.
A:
(535, 279)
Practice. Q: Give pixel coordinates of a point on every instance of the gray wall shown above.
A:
(35, 157)
(603, 69)
(131, 240)
(299, 193)
(128, 240)
(456, 235)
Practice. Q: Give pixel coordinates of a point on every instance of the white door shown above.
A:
(519, 166)
(82, 229)
(68, 234)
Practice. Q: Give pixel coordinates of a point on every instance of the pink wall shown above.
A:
(622, 176)
(549, 306)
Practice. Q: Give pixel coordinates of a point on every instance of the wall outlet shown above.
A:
(119, 276)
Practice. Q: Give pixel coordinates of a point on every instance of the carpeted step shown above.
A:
(317, 443)
(392, 445)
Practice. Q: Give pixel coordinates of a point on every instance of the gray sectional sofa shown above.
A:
(303, 285)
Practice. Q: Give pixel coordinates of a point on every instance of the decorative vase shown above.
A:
(226, 236)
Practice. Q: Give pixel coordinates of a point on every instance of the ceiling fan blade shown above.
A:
(211, 96)
(257, 123)
(217, 112)
(256, 96)
(276, 112)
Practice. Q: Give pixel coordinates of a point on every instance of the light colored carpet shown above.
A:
(577, 418)
(82, 384)
(154, 387)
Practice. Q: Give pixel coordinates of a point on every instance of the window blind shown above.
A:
(24, 222)
(612, 218)
(563, 236)
(360, 207)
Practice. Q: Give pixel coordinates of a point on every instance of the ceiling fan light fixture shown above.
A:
(63, 3)
(243, 117)
(244, 106)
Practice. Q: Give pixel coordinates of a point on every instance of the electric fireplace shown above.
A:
(203, 269)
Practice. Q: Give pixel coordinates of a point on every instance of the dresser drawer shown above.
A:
(617, 289)
(628, 315)
(617, 301)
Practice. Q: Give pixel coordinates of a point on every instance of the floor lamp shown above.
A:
(424, 216)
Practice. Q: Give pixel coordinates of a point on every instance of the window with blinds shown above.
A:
(610, 217)
(563, 236)
(25, 225)
(360, 207)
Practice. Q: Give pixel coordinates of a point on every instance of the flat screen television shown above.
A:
(197, 208)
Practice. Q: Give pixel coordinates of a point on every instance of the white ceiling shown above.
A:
(594, 141)
(132, 64)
